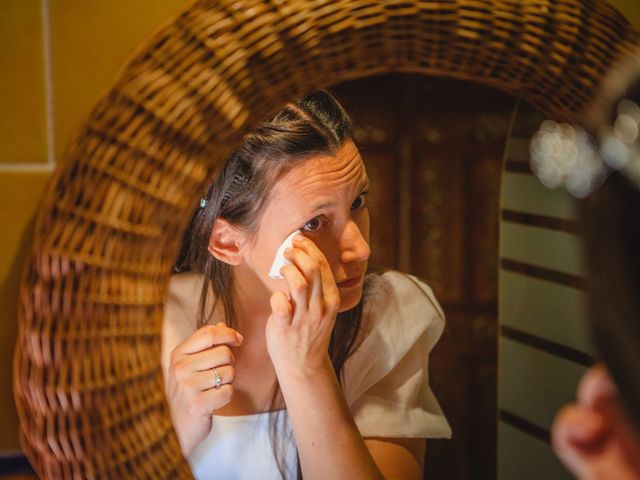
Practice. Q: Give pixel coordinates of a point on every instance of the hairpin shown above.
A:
(203, 202)
(566, 155)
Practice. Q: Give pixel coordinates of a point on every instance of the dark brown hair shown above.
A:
(611, 223)
(610, 219)
(312, 125)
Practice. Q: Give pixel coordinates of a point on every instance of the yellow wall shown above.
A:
(630, 9)
(56, 58)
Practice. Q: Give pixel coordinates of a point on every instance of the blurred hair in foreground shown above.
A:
(611, 226)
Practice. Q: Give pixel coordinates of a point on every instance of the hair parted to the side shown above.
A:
(610, 219)
(312, 125)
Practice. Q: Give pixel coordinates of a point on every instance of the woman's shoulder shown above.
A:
(182, 286)
(182, 302)
(398, 310)
(400, 292)
(401, 316)
(181, 308)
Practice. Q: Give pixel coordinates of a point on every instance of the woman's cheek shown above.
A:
(363, 222)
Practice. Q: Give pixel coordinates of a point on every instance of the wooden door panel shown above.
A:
(433, 149)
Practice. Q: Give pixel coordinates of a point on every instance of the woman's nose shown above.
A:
(355, 247)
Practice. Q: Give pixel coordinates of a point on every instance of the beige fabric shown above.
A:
(387, 378)
(387, 386)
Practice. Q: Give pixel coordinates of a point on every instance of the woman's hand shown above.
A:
(298, 333)
(191, 383)
(299, 328)
(593, 437)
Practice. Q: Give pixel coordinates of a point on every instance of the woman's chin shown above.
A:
(348, 300)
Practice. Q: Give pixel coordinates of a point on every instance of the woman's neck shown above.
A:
(251, 301)
(255, 375)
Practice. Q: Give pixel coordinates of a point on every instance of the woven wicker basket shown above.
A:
(87, 377)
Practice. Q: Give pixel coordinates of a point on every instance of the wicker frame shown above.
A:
(87, 378)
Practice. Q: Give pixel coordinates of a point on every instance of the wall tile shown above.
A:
(20, 195)
(525, 193)
(541, 247)
(534, 384)
(548, 310)
(22, 87)
(90, 42)
(524, 457)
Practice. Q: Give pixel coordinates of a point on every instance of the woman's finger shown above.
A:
(281, 310)
(563, 445)
(209, 336)
(205, 360)
(308, 263)
(219, 376)
(596, 389)
(329, 287)
(308, 266)
(579, 426)
(326, 275)
(298, 289)
(208, 401)
(206, 379)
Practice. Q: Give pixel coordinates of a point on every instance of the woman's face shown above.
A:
(325, 197)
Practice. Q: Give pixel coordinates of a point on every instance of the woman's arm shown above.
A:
(329, 443)
(398, 458)
(298, 333)
(188, 359)
(192, 388)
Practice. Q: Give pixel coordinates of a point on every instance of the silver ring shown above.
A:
(218, 379)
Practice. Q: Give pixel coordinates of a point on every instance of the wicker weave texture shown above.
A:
(87, 378)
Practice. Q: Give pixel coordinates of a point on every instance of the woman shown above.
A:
(598, 436)
(323, 372)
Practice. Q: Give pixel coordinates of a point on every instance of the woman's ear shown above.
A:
(225, 241)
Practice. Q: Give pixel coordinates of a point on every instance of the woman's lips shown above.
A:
(351, 282)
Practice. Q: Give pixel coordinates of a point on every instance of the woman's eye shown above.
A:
(313, 224)
(360, 202)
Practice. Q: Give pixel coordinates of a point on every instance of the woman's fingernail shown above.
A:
(299, 238)
(239, 337)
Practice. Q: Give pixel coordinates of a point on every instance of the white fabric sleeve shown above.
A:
(387, 379)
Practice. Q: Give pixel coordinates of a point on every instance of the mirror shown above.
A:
(117, 206)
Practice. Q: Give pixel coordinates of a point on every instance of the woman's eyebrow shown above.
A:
(322, 205)
(363, 184)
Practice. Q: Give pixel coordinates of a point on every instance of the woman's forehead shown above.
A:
(321, 182)
(325, 171)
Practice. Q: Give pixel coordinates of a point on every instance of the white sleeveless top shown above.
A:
(386, 385)
(239, 448)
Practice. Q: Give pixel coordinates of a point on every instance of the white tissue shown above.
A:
(280, 261)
